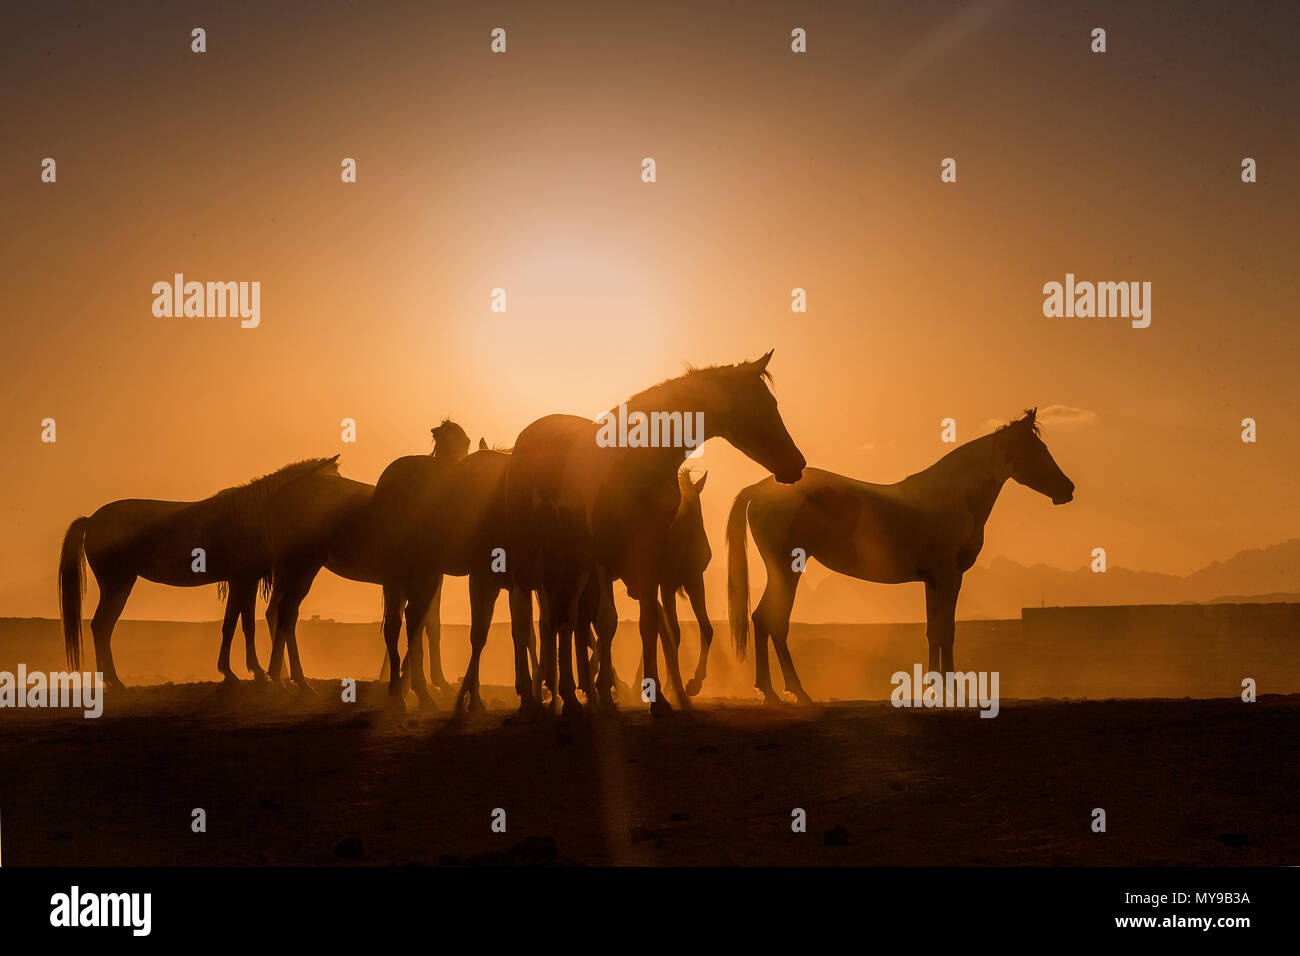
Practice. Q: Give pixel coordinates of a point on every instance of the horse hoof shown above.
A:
(572, 709)
(259, 675)
(772, 699)
(425, 702)
(661, 708)
(229, 679)
(529, 711)
(693, 686)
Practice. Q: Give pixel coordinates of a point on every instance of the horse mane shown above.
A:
(1034, 426)
(246, 502)
(692, 369)
(275, 480)
(692, 374)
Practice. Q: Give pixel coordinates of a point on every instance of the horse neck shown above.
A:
(687, 395)
(969, 474)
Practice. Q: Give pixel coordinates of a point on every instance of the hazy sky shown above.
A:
(775, 170)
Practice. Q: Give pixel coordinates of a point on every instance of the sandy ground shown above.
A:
(290, 779)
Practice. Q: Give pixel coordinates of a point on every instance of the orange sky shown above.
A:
(775, 170)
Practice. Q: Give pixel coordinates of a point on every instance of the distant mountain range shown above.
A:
(1002, 588)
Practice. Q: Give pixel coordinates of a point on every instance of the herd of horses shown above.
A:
(563, 517)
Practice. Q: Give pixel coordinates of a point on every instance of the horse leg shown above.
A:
(780, 635)
(233, 601)
(433, 632)
(766, 618)
(112, 599)
(648, 624)
(275, 664)
(523, 637)
(248, 615)
(568, 625)
(286, 624)
(695, 592)
(392, 630)
(482, 599)
(670, 630)
(940, 622)
(548, 634)
(417, 606)
(532, 654)
(606, 625)
(584, 640)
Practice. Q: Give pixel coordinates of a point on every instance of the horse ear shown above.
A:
(760, 365)
(482, 444)
(699, 485)
(1031, 414)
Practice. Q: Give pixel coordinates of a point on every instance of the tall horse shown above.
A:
(335, 523)
(224, 538)
(928, 527)
(580, 507)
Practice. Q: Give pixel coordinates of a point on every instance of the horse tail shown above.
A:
(738, 570)
(72, 582)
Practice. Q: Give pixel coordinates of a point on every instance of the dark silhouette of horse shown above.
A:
(579, 509)
(434, 517)
(928, 527)
(686, 557)
(160, 541)
(336, 524)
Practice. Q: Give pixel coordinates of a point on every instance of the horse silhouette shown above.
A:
(439, 515)
(335, 523)
(578, 510)
(928, 527)
(156, 540)
(686, 557)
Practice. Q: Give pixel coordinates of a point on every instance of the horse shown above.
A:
(580, 507)
(224, 538)
(335, 524)
(686, 556)
(928, 527)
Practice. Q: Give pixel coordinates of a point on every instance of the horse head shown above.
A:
(449, 441)
(1029, 462)
(750, 421)
(690, 514)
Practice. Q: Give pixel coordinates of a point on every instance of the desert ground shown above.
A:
(288, 779)
(292, 778)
